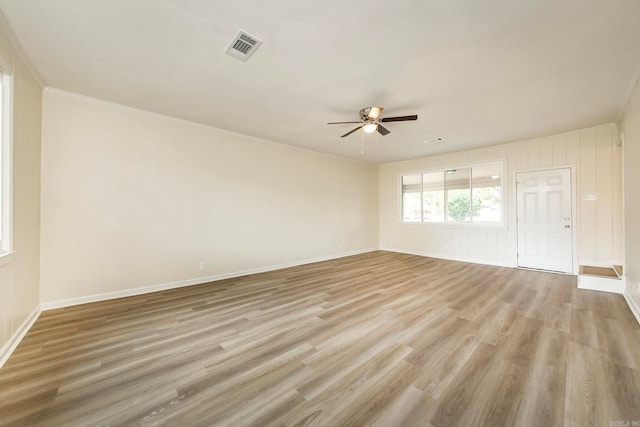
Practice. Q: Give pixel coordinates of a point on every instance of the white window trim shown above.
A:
(503, 191)
(6, 244)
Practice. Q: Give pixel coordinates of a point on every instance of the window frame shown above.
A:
(6, 162)
(501, 162)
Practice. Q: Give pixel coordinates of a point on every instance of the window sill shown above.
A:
(458, 225)
(6, 257)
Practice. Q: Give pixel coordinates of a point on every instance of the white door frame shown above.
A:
(574, 210)
(621, 144)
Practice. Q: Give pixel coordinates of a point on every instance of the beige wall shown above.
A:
(630, 127)
(131, 199)
(20, 271)
(593, 151)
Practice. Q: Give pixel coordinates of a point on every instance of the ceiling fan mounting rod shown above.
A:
(370, 113)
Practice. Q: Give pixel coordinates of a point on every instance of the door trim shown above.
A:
(574, 210)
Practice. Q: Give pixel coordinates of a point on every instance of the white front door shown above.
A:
(545, 238)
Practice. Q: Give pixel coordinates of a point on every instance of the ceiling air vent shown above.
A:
(243, 45)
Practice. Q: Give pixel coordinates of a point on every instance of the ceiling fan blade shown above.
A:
(351, 131)
(340, 123)
(399, 118)
(383, 130)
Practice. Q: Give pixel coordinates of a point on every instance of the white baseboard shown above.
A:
(440, 256)
(9, 347)
(635, 309)
(602, 284)
(189, 282)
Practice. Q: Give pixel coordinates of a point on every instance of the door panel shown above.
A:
(531, 206)
(545, 238)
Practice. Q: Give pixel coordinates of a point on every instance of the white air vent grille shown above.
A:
(243, 45)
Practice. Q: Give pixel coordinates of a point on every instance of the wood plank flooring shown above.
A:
(379, 339)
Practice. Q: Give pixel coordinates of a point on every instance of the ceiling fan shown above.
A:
(370, 121)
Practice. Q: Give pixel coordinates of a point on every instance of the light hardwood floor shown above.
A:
(379, 339)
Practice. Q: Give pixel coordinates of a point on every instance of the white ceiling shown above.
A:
(476, 72)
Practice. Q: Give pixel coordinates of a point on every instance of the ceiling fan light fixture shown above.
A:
(370, 127)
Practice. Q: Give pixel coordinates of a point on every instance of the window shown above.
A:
(5, 158)
(457, 187)
(463, 195)
(433, 197)
(411, 198)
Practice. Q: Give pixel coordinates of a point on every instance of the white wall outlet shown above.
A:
(391, 242)
(202, 266)
(590, 197)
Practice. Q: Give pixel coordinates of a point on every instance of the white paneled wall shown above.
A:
(19, 271)
(630, 127)
(596, 158)
(9, 321)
